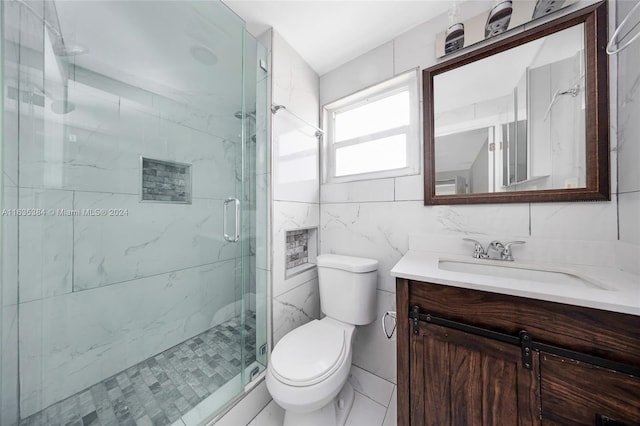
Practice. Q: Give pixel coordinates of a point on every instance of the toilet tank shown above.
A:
(348, 288)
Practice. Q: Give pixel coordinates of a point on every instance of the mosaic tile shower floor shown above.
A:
(158, 390)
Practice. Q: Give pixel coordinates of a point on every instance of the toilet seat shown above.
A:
(309, 354)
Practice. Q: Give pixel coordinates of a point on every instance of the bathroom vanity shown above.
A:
(475, 350)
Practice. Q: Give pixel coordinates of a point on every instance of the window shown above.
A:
(374, 133)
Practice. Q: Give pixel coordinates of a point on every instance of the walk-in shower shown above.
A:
(124, 165)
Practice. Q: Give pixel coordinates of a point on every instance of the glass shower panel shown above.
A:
(123, 161)
(255, 211)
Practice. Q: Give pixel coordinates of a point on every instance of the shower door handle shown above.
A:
(236, 235)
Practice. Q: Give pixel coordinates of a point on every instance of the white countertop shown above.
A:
(620, 292)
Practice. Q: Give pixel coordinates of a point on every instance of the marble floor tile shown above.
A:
(365, 412)
(271, 415)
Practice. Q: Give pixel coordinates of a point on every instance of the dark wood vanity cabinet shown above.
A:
(577, 393)
(462, 379)
(449, 376)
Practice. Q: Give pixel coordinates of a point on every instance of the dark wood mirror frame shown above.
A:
(596, 109)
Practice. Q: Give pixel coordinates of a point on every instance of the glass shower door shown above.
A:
(124, 249)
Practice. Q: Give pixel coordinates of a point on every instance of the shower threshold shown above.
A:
(185, 384)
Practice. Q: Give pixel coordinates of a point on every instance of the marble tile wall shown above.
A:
(295, 193)
(375, 218)
(628, 134)
(9, 386)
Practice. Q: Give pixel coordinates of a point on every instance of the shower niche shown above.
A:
(165, 181)
(302, 250)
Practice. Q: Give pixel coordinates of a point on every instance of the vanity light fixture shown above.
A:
(454, 37)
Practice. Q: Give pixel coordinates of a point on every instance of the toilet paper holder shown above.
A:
(391, 314)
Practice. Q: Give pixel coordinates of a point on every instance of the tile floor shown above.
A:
(159, 390)
(374, 404)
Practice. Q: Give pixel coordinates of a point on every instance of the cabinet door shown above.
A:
(462, 379)
(577, 393)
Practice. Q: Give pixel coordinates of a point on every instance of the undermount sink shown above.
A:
(516, 271)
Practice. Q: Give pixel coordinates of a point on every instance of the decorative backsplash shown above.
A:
(165, 181)
(297, 248)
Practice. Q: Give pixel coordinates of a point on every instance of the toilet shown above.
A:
(308, 370)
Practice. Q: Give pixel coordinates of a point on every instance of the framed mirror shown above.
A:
(524, 119)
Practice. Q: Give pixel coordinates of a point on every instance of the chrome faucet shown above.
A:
(478, 250)
(504, 250)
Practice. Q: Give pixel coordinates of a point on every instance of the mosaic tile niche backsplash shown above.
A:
(297, 248)
(166, 181)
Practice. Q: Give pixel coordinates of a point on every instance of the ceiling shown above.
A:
(329, 33)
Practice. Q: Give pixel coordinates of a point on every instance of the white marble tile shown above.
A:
(295, 160)
(295, 84)
(126, 92)
(409, 188)
(365, 412)
(361, 191)
(94, 108)
(10, 142)
(381, 230)
(214, 120)
(391, 417)
(213, 174)
(271, 415)
(628, 125)
(366, 70)
(213, 159)
(263, 219)
(71, 341)
(370, 385)
(105, 155)
(151, 239)
(295, 308)
(372, 351)
(630, 217)
(72, 151)
(262, 129)
(9, 259)
(577, 221)
(628, 257)
(373, 230)
(9, 357)
(289, 216)
(46, 244)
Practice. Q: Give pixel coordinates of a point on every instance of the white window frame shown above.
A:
(406, 81)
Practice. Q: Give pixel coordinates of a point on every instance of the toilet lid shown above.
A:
(308, 354)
